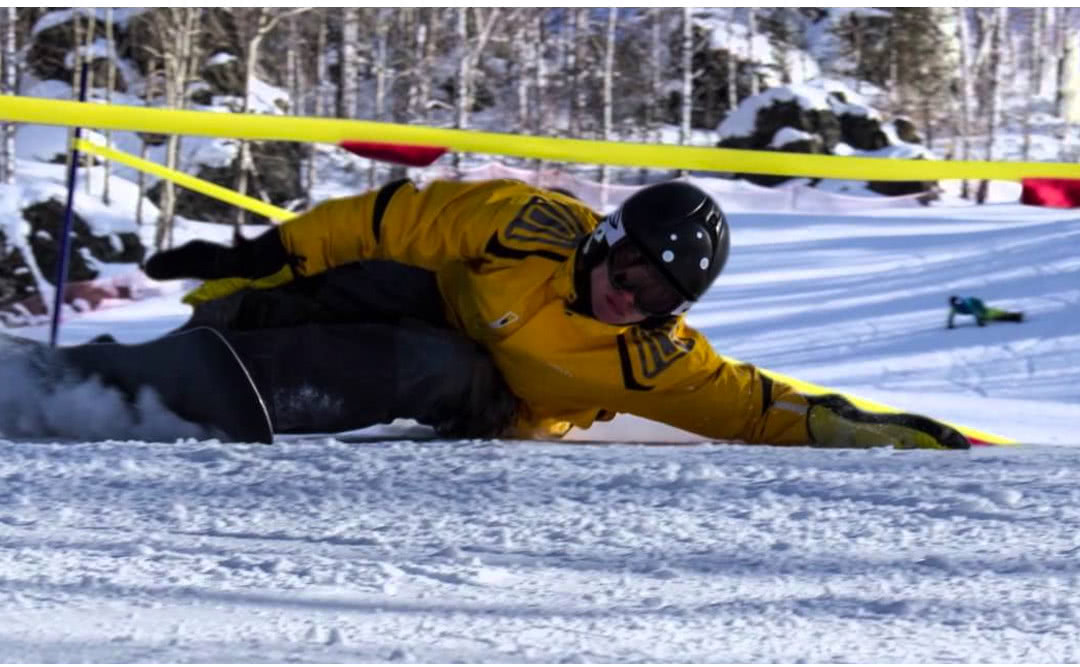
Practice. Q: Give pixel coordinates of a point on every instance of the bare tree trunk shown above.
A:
(462, 120)
(965, 94)
(1061, 56)
(1071, 96)
(687, 77)
(144, 149)
(896, 90)
(253, 26)
(540, 72)
(471, 50)
(524, 48)
(110, 83)
(540, 118)
(76, 37)
(751, 33)
(609, 79)
(381, 66)
(1034, 63)
(426, 52)
(178, 29)
(997, 36)
(857, 34)
(322, 76)
(10, 88)
(655, 72)
(244, 160)
(292, 70)
(88, 58)
(1038, 29)
(321, 84)
(578, 72)
(348, 93)
(732, 64)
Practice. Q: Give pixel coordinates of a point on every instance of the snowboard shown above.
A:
(196, 373)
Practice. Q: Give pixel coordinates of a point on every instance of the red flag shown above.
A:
(1051, 192)
(408, 156)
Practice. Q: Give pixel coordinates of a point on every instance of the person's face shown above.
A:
(611, 305)
(627, 289)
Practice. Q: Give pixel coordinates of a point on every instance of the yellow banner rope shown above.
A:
(334, 131)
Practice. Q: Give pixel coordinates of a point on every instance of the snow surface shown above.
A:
(363, 549)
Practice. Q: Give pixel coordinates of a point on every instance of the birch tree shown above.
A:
(732, 63)
(539, 70)
(578, 74)
(154, 84)
(1034, 63)
(1060, 59)
(751, 34)
(110, 83)
(965, 93)
(293, 69)
(687, 75)
(10, 87)
(997, 28)
(523, 50)
(76, 39)
(348, 92)
(471, 49)
(174, 33)
(382, 70)
(609, 78)
(87, 57)
(252, 25)
(321, 85)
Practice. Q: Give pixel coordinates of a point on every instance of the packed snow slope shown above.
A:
(364, 549)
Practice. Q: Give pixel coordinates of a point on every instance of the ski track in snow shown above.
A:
(321, 550)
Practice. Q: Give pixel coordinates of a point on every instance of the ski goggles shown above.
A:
(629, 270)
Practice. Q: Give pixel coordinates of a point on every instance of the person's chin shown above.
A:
(609, 313)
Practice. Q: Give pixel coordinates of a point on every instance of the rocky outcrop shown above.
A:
(88, 250)
(800, 119)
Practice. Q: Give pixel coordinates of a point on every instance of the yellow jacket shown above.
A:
(503, 253)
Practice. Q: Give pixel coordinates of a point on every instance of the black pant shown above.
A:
(359, 345)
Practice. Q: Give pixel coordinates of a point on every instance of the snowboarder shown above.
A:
(541, 313)
(980, 311)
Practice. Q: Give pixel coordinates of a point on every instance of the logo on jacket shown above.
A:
(646, 353)
(508, 318)
(541, 228)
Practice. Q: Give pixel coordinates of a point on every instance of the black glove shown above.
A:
(834, 422)
(259, 257)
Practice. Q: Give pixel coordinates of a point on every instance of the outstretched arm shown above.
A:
(723, 399)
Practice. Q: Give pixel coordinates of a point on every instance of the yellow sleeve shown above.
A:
(675, 377)
(444, 222)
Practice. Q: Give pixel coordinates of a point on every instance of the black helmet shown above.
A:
(679, 229)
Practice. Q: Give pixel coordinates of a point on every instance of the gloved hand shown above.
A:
(834, 422)
(259, 257)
